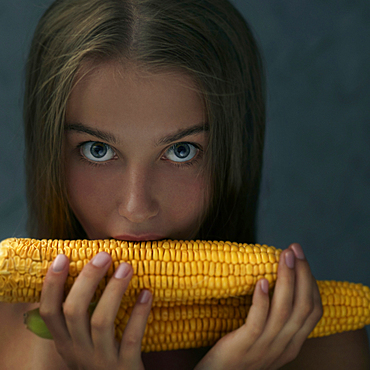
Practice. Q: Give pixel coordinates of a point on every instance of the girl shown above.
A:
(144, 120)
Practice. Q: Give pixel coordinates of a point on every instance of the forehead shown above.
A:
(119, 92)
(130, 71)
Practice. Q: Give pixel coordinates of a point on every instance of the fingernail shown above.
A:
(59, 263)
(298, 251)
(144, 296)
(101, 259)
(122, 270)
(264, 285)
(289, 259)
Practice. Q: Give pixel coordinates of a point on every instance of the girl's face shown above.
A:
(134, 154)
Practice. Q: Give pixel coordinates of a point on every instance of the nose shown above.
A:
(137, 202)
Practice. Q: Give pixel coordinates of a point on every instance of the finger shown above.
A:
(318, 310)
(307, 309)
(78, 300)
(102, 320)
(312, 320)
(130, 349)
(304, 292)
(293, 278)
(257, 316)
(310, 317)
(51, 300)
(308, 306)
(282, 300)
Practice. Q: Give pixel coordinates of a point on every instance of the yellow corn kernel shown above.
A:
(201, 289)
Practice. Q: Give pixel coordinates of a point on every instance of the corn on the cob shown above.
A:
(201, 289)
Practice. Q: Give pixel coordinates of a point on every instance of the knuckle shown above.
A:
(261, 302)
(307, 309)
(140, 312)
(284, 314)
(72, 312)
(131, 340)
(255, 330)
(47, 312)
(51, 283)
(100, 323)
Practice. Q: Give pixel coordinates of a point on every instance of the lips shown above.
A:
(142, 237)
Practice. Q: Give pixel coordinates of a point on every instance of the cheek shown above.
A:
(186, 198)
(87, 193)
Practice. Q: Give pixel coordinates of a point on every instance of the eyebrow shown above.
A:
(107, 136)
(193, 130)
(79, 127)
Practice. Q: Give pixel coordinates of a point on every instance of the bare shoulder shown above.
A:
(342, 351)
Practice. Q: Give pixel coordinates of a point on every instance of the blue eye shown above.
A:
(181, 152)
(97, 152)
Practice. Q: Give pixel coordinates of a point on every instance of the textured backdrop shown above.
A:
(316, 187)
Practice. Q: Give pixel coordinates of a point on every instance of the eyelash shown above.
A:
(192, 162)
(184, 164)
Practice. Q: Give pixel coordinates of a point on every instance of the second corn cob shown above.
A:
(201, 289)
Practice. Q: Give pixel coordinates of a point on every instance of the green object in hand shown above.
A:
(36, 324)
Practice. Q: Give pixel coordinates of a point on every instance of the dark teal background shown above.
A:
(316, 187)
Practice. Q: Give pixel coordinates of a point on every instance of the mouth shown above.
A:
(142, 237)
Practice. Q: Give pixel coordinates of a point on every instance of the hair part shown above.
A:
(206, 39)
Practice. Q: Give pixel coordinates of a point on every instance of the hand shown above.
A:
(90, 344)
(273, 334)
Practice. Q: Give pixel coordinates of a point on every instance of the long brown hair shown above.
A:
(207, 39)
